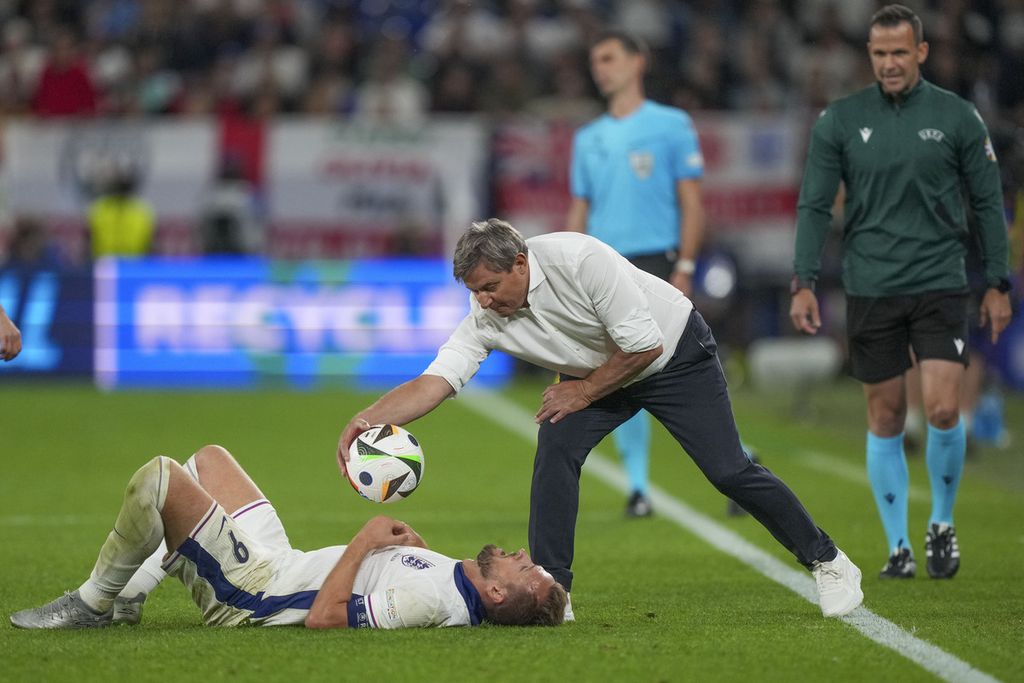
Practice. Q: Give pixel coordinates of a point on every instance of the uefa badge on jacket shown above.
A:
(990, 151)
(642, 164)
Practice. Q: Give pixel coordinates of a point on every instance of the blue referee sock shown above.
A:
(887, 472)
(945, 458)
(633, 439)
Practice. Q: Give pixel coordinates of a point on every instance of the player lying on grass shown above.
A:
(241, 568)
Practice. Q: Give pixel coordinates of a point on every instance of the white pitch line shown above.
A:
(51, 520)
(829, 464)
(933, 659)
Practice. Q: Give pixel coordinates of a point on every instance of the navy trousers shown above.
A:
(690, 398)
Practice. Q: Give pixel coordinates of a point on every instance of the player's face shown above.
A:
(613, 68)
(501, 292)
(514, 569)
(895, 58)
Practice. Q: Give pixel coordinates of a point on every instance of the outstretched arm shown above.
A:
(330, 608)
(401, 405)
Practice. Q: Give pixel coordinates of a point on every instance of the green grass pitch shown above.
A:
(653, 602)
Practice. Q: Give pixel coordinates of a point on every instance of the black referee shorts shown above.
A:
(660, 264)
(882, 330)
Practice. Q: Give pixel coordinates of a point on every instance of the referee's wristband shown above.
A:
(686, 266)
(798, 283)
(1001, 285)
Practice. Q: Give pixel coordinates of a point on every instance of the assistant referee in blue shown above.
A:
(635, 180)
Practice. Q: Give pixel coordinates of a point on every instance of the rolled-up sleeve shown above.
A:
(460, 357)
(618, 301)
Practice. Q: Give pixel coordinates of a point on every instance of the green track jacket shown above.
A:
(908, 167)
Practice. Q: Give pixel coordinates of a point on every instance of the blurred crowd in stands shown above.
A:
(397, 61)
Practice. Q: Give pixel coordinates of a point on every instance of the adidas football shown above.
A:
(385, 464)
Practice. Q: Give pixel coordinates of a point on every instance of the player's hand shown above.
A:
(382, 531)
(355, 427)
(803, 311)
(995, 309)
(563, 398)
(682, 281)
(10, 338)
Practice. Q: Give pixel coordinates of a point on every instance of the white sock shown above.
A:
(151, 573)
(137, 532)
(148, 576)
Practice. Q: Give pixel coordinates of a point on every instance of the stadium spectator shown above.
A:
(706, 70)
(568, 95)
(636, 185)
(335, 51)
(802, 47)
(65, 87)
(464, 30)
(273, 63)
(229, 222)
(904, 265)
(530, 35)
(386, 577)
(829, 58)
(120, 223)
(621, 340)
(455, 88)
(156, 88)
(21, 63)
(29, 247)
(389, 95)
(508, 89)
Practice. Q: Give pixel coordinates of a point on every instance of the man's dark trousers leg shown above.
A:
(690, 398)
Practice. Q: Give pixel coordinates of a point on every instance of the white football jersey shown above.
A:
(395, 587)
(241, 569)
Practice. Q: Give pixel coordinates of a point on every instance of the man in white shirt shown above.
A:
(241, 569)
(621, 340)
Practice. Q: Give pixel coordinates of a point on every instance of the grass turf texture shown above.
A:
(653, 602)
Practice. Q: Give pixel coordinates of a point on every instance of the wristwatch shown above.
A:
(1001, 285)
(685, 266)
(798, 283)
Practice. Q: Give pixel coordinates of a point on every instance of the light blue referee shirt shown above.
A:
(627, 169)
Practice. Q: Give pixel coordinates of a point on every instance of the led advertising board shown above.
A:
(247, 323)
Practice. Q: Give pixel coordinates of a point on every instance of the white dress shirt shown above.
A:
(585, 302)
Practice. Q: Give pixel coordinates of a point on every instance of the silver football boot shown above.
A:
(128, 611)
(67, 611)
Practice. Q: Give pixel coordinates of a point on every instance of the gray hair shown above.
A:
(493, 243)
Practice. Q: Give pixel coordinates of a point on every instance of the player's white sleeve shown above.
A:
(411, 604)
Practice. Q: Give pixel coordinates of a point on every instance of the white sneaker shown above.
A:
(569, 616)
(839, 590)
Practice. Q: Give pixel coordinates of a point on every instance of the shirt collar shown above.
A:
(905, 97)
(470, 594)
(537, 275)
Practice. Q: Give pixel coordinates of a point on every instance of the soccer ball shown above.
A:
(385, 464)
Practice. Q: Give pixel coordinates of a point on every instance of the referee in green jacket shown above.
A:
(911, 156)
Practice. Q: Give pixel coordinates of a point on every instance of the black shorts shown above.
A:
(660, 264)
(882, 330)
